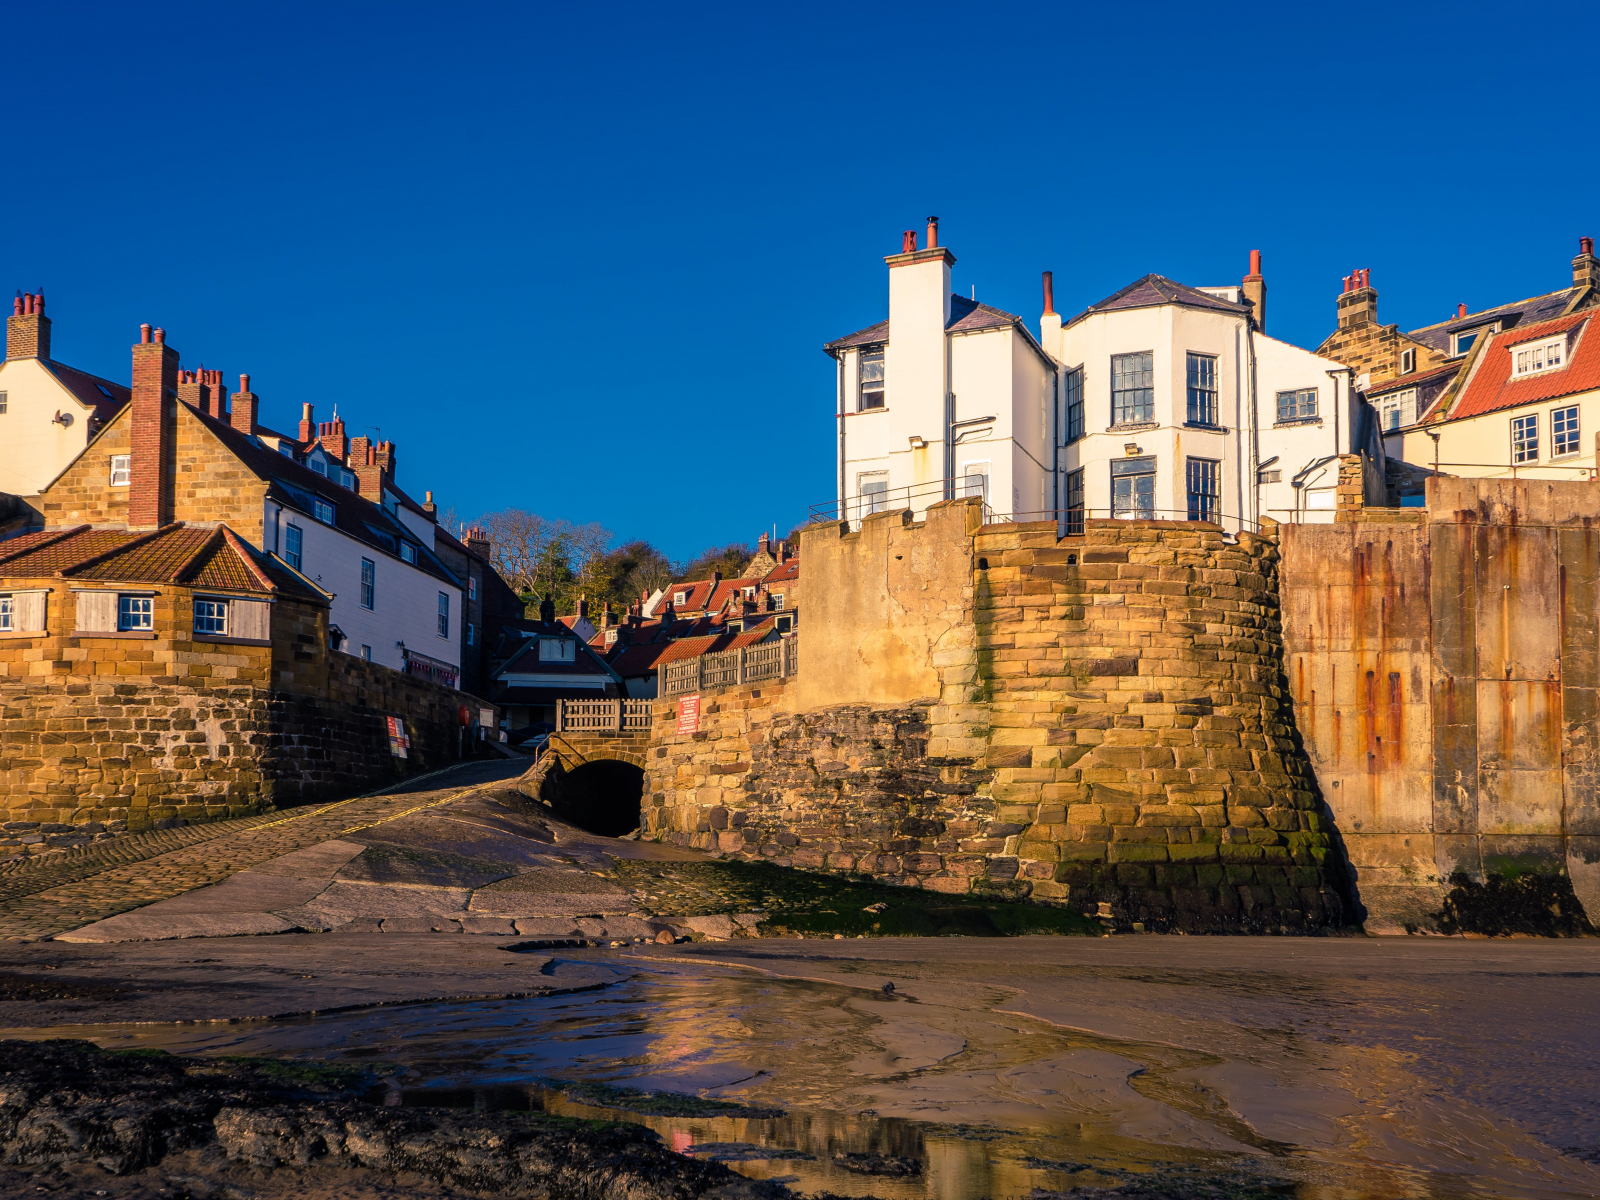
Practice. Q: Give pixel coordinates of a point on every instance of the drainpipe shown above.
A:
(844, 512)
(1238, 426)
(1055, 448)
(1255, 437)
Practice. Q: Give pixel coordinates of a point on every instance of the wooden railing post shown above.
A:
(561, 712)
(741, 664)
(700, 673)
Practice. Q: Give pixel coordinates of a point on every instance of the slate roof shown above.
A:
(526, 661)
(1155, 290)
(185, 555)
(1522, 312)
(966, 315)
(1491, 387)
(103, 395)
(294, 484)
(1412, 380)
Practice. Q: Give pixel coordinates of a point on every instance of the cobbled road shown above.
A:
(57, 892)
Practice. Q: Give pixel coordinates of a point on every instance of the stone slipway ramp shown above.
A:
(490, 861)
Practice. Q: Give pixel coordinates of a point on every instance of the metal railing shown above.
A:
(751, 664)
(602, 716)
(912, 495)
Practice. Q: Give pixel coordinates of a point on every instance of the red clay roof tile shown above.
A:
(1492, 387)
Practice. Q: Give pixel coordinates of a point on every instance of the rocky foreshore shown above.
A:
(78, 1120)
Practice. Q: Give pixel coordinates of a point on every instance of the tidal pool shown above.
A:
(969, 1100)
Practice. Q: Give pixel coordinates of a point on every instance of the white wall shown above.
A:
(1481, 446)
(1299, 448)
(34, 449)
(405, 600)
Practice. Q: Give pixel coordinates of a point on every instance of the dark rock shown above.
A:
(878, 1164)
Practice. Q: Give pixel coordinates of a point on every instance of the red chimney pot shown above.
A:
(144, 334)
(1461, 311)
(160, 336)
(908, 242)
(933, 233)
(1586, 245)
(1049, 294)
(1255, 262)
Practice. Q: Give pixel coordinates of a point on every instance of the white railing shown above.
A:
(602, 716)
(770, 660)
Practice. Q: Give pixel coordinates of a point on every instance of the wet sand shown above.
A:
(1357, 1067)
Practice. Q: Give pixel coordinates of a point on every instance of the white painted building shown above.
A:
(1163, 401)
(957, 402)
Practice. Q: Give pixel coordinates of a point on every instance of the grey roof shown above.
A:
(1537, 308)
(965, 315)
(1154, 290)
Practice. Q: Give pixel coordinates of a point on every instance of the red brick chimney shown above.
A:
(245, 403)
(28, 329)
(1255, 291)
(1358, 303)
(384, 454)
(333, 437)
(368, 463)
(151, 416)
(194, 389)
(1585, 268)
(477, 541)
(308, 429)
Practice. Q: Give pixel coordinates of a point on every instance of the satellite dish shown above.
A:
(63, 419)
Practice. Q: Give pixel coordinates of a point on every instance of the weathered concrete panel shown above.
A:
(1518, 615)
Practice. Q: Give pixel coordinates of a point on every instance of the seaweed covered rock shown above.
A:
(1536, 903)
(68, 1103)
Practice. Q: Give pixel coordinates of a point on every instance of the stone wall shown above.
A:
(1445, 665)
(1103, 718)
(113, 731)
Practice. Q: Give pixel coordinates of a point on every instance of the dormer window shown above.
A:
(1461, 342)
(320, 467)
(557, 649)
(408, 553)
(871, 379)
(679, 599)
(322, 511)
(1548, 355)
(1397, 410)
(1408, 361)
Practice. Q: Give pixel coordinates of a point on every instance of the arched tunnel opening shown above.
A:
(605, 796)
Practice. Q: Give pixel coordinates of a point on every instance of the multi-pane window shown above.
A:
(1397, 410)
(1541, 356)
(1133, 488)
(1073, 425)
(323, 511)
(121, 470)
(1074, 498)
(366, 653)
(472, 587)
(557, 650)
(777, 599)
(293, 540)
(874, 496)
(135, 612)
(8, 613)
(408, 552)
(317, 465)
(444, 614)
(472, 634)
(1297, 405)
(1274, 475)
(1564, 431)
(1133, 396)
(975, 481)
(369, 582)
(2, 404)
(871, 380)
(1525, 438)
(1204, 479)
(1202, 389)
(211, 616)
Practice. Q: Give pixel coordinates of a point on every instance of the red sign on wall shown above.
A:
(689, 714)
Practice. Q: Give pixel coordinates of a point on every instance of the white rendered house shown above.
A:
(1177, 406)
(946, 398)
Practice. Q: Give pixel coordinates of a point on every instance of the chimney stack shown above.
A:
(331, 434)
(1358, 305)
(547, 611)
(1255, 291)
(477, 541)
(1585, 268)
(245, 404)
(28, 329)
(194, 389)
(308, 428)
(583, 608)
(150, 436)
(429, 507)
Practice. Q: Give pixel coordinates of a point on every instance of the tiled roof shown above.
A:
(634, 662)
(1521, 312)
(1154, 290)
(686, 648)
(103, 395)
(1491, 387)
(729, 589)
(782, 574)
(1412, 380)
(294, 484)
(698, 593)
(176, 554)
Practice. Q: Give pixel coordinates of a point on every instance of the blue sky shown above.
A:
(582, 259)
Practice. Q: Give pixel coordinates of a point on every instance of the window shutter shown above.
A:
(97, 612)
(29, 611)
(250, 619)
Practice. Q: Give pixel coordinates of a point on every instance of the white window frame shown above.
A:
(1304, 405)
(369, 585)
(322, 511)
(1408, 361)
(121, 475)
(881, 391)
(1525, 438)
(215, 618)
(366, 653)
(2, 404)
(294, 544)
(8, 614)
(1397, 411)
(777, 600)
(558, 649)
(1476, 332)
(1560, 431)
(1539, 357)
(408, 553)
(869, 502)
(472, 587)
(444, 614)
(136, 614)
(978, 468)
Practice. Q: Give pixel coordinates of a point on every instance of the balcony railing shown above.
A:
(602, 716)
(752, 664)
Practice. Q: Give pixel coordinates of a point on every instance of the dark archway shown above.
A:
(604, 796)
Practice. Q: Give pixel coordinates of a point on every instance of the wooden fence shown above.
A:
(602, 716)
(770, 660)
